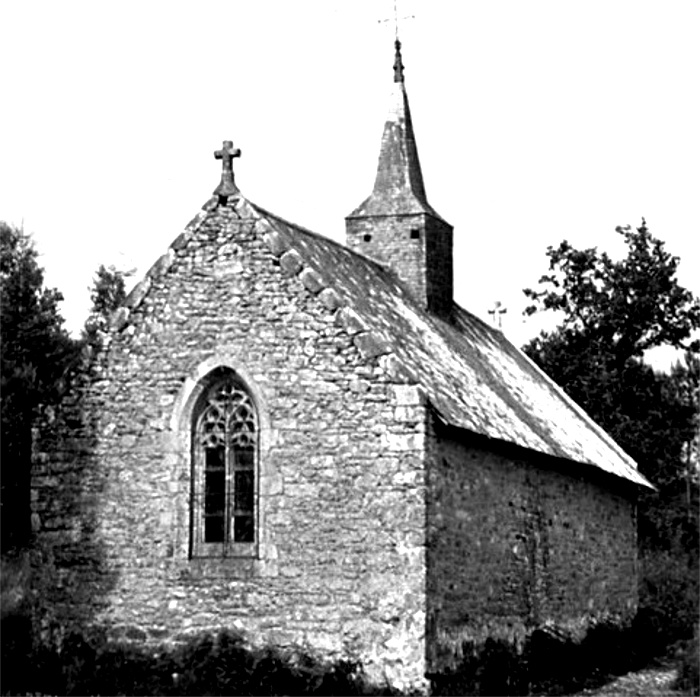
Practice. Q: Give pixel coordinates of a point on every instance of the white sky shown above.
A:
(536, 121)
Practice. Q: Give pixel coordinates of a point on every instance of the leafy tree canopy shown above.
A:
(36, 353)
(611, 313)
(625, 307)
(107, 294)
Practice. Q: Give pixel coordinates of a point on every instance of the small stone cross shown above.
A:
(227, 187)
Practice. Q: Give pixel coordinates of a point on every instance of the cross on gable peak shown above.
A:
(227, 153)
(227, 186)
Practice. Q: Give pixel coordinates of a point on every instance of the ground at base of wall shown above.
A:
(643, 683)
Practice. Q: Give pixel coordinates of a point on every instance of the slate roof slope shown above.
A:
(472, 375)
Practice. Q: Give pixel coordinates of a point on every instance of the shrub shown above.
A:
(550, 662)
(668, 599)
(208, 664)
(688, 679)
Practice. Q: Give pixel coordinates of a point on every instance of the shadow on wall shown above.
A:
(208, 664)
(60, 582)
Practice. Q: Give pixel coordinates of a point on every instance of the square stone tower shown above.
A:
(396, 225)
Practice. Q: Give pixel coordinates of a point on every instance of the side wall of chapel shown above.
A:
(341, 563)
(515, 543)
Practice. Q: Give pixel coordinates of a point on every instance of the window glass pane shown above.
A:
(215, 490)
(244, 457)
(214, 495)
(243, 488)
(214, 529)
(243, 529)
(215, 458)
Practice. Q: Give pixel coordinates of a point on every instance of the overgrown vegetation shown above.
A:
(688, 679)
(36, 354)
(611, 313)
(549, 662)
(107, 294)
(210, 664)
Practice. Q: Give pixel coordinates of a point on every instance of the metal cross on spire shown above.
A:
(497, 313)
(396, 18)
(398, 64)
(227, 187)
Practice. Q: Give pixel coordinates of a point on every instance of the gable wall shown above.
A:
(513, 545)
(341, 564)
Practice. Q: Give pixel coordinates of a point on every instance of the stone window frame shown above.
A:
(213, 401)
(264, 553)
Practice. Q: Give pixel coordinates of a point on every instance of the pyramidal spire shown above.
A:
(398, 186)
(395, 225)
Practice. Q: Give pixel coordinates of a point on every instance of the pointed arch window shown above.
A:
(225, 469)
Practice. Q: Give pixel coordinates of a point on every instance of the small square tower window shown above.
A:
(367, 238)
(415, 234)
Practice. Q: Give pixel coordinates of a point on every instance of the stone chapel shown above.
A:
(315, 445)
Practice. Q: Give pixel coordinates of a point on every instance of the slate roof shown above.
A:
(471, 374)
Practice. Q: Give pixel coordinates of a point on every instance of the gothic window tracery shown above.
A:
(225, 443)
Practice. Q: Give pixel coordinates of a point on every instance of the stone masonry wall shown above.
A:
(341, 564)
(513, 545)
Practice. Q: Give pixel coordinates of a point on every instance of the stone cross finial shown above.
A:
(227, 187)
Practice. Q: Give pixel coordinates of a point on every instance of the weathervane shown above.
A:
(497, 313)
(398, 63)
(396, 20)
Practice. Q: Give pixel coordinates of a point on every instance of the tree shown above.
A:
(108, 293)
(612, 312)
(36, 353)
(624, 307)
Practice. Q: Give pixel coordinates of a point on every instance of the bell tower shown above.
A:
(396, 225)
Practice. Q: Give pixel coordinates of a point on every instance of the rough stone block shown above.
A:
(350, 321)
(396, 369)
(291, 262)
(330, 298)
(406, 395)
(162, 265)
(312, 281)
(277, 244)
(370, 344)
(180, 242)
(119, 319)
(135, 298)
